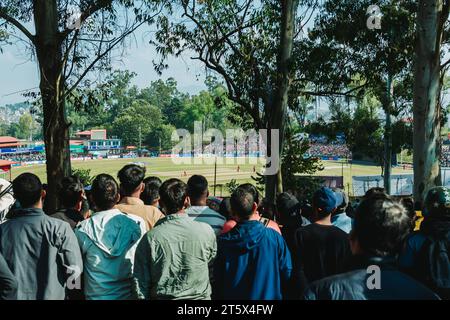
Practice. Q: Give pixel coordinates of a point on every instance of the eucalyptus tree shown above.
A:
(250, 46)
(431, 63)
(69, 39)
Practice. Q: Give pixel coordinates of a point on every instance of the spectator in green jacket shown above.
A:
(172, 259)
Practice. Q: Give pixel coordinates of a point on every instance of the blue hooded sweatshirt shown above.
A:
(253, 263)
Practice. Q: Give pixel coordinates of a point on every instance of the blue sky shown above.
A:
(17, 73)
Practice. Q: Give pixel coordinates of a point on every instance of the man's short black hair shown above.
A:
(69, 191)
(381, 225)
(242, 200)
(225, 208)
(27, 189)
(252, 189)
(287, 206)
(197, 187)
(173, 194)
(104, 192)
(130, 177)
(373, 191)
(151, 190)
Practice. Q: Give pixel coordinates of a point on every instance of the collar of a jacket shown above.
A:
(170, 217)
(28, 212)
(71, 214)
(363, 261)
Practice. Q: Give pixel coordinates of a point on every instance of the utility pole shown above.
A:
(140, 138)
(159, 145)
(215, 176)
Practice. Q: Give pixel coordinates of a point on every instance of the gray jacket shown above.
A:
(42, 253)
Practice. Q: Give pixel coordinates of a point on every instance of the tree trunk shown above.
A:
(426, 108)
(55, 130)
(279, 107)
(388, 136)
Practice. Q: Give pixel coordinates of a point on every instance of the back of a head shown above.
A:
(267, 209)
(408, 203)
(173, 194)
(151, 190)
(130, 177)
(197, 188)
(242, 201)
(342, 200)
(372, 191)
(70, 191)
(287, 206)
(252, 189)
(27, 189)
(381, 225)
(324, 202)
(104, 192)
(225, 208)
(437, 203)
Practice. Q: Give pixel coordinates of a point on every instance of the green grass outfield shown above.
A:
(166, 168)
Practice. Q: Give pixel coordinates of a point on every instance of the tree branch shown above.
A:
(92, 9)
(17, 24)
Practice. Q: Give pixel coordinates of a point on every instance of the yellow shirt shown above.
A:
(135, 206)
(419, 220)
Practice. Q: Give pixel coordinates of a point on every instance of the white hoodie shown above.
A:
(108, 242)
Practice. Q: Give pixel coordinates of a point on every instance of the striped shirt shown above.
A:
(208, 216)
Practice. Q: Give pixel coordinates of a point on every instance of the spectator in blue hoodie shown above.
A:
(253, 261)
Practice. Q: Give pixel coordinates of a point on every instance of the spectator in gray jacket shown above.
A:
(8, 284)
(42, 252)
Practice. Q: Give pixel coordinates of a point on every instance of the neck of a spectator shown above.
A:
(37, 205)
(155, 203)
(326, 221)
(254, 216)
(136, 193)
(200, 201)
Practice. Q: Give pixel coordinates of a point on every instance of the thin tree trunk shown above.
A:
(279, 108)
(55, 130)
(426, 138)
(388, 136)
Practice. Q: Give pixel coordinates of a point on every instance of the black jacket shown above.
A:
(353, 285)
(8, 283)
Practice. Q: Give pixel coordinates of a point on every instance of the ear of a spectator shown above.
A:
(255, 207)
(43, 194)
(142, 187)
(187, 202)
(79, 205)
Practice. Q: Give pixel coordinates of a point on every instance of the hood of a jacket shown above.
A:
(246, 235)
(112, 231)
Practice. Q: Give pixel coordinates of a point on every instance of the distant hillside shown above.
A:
(11, 112)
